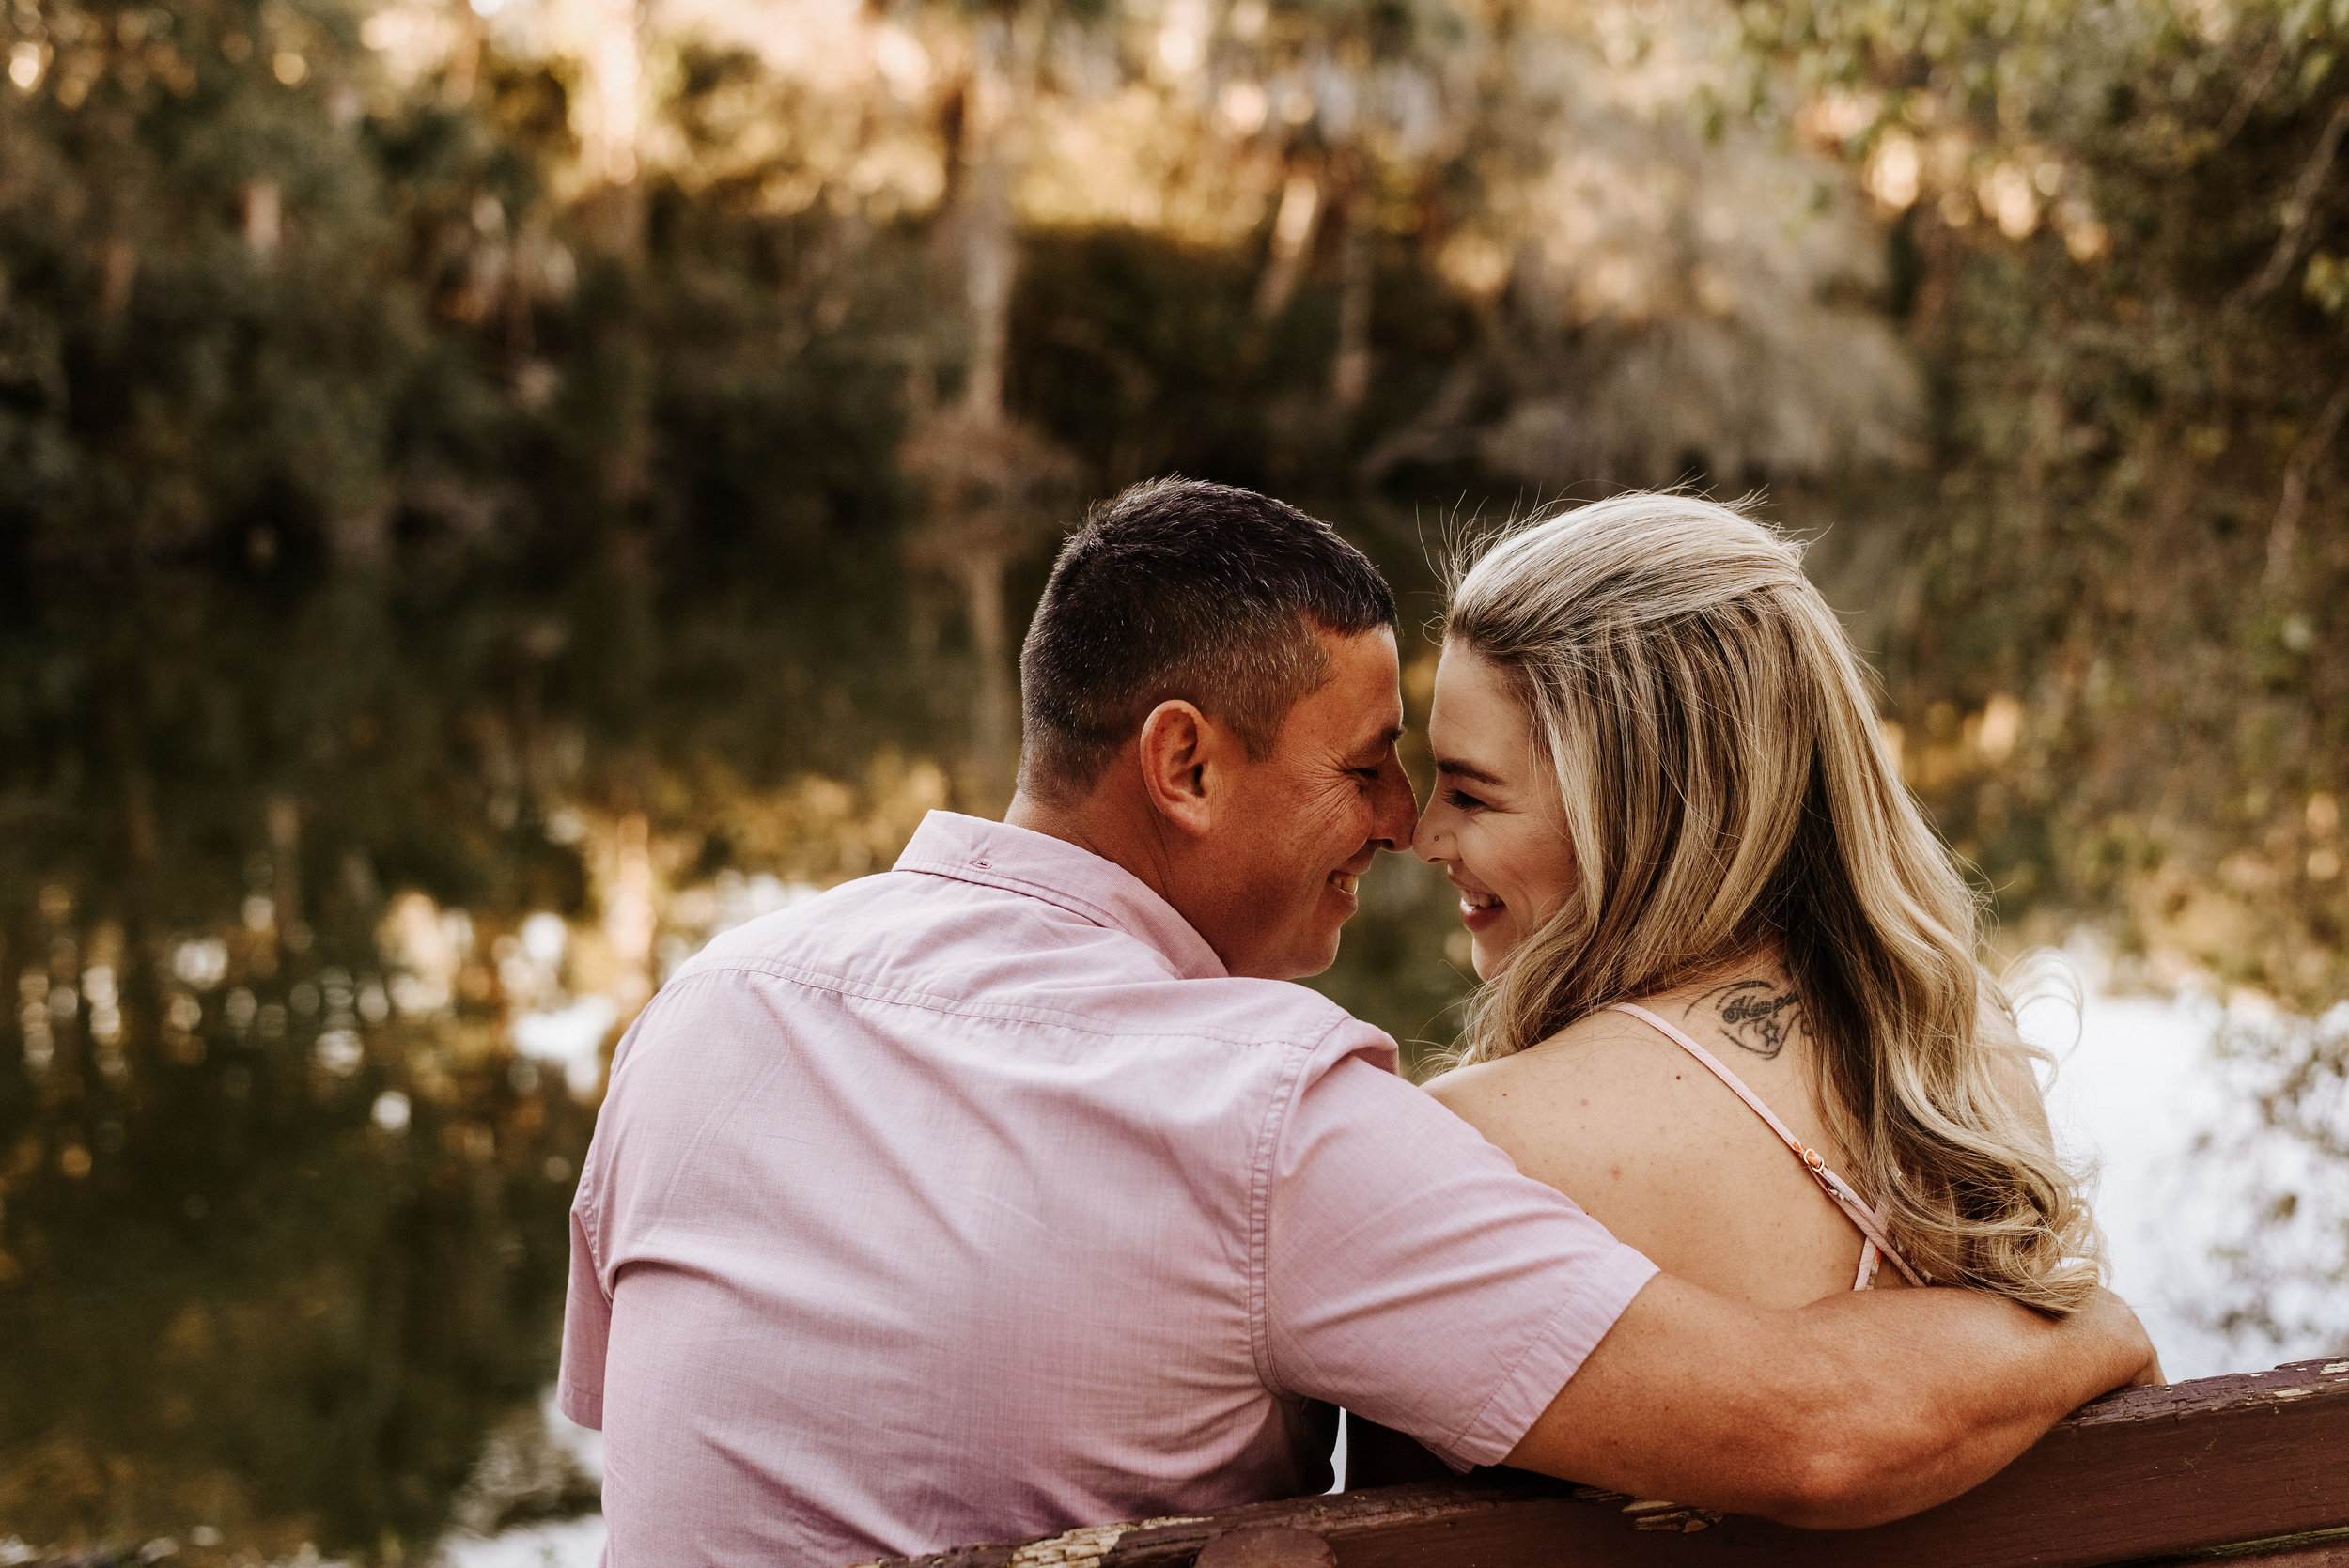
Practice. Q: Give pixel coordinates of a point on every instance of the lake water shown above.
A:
(322, 891)
(317, 906)
(2137, 1096)
(2182, 1176)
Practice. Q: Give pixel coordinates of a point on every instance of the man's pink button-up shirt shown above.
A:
(975, 1201)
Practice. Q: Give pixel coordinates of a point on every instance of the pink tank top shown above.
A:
(1870, 1222)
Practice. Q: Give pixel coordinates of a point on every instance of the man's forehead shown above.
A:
(1358, 720)
(1360, 701)
(1363, 656)
(1368, 662)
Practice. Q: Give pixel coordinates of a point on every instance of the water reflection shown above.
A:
(283, 1240)
(320, 902)
(318, 909)
(2222, 1221)
(273, 1257)
(318, 898)
(282, 1191)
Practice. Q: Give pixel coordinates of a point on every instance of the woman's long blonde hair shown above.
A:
(1726, 795)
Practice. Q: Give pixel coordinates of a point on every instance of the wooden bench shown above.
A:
(2251, 1469)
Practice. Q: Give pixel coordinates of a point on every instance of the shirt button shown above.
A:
(981, 865)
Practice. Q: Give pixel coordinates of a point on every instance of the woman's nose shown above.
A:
(1429, 842)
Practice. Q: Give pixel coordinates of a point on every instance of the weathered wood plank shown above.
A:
(2327, 1550)
(2146, 1474)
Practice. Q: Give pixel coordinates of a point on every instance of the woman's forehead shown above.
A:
(1473, 694)
(1476, 710)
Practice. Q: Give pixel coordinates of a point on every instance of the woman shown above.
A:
(1732, 1006)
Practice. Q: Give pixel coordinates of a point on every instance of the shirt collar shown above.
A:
(998, 855)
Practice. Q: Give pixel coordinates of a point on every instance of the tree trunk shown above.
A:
(989, 251)
(1292, 242)
(997, 488)
(1349, 372)
(609, 116)
(995, 725)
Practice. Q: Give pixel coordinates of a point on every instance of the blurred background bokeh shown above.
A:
(492, 494)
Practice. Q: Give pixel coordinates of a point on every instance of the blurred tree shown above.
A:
(994, 487)
(2115, 641)
(2116, 244)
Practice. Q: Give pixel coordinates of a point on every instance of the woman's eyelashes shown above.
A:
(1460, 800)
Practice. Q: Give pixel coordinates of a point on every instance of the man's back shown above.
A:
(940, 1208)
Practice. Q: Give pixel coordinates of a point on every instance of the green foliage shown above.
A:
(2138, 530)
(1143, 356)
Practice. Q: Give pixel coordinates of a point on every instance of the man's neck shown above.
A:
(1127, 833)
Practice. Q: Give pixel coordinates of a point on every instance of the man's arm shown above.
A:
(1858, 1408)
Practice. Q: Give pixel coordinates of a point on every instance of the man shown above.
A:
(1013, 1189)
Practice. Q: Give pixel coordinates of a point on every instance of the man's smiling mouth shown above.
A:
(1346, 881)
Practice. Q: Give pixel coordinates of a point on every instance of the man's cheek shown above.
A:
(1337, 817)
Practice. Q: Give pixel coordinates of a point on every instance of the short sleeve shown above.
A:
(587, 1331)
(1414, 1276)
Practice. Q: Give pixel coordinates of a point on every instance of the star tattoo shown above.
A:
(1758, 1015)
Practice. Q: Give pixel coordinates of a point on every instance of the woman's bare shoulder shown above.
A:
(1602, 1082)
(1587, 1051)
(1618, 1117)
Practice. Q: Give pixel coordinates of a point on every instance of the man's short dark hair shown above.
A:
(1181, 589)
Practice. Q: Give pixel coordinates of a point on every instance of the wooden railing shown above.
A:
(2251, 1469)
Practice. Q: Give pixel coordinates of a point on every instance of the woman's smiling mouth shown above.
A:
(1479, 909)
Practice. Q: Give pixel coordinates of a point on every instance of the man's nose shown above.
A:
(1398, 807)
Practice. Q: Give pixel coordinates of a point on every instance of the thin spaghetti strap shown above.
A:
(1869, 1221)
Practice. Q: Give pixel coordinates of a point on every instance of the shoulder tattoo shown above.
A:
(1758, 1015)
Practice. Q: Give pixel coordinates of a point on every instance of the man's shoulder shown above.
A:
(1246, 1011)
(912, 935)
(799, 930)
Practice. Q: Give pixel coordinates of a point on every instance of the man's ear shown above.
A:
(1179, 745)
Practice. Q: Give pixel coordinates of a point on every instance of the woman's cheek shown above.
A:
(1494, 946)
